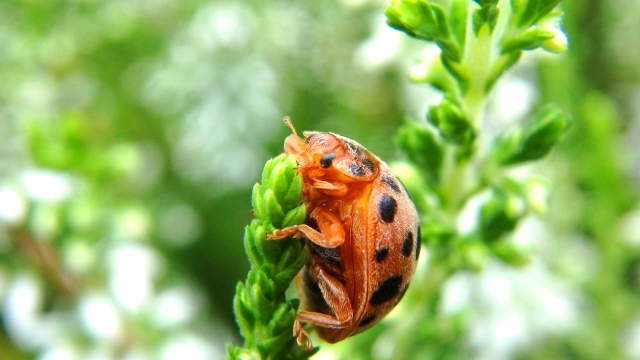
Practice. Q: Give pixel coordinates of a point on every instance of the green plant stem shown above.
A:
(264, 315)
(478, 61)
(481, 54)
(453, 180)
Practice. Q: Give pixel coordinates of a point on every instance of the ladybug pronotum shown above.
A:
(363, 232)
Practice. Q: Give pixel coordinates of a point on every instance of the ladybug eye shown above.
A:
(326, 160)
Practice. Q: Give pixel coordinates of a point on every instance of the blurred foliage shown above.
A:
(131, 133)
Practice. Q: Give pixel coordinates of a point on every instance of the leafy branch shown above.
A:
(444, 169)
(263, 313)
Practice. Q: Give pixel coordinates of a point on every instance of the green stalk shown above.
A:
(264, 315)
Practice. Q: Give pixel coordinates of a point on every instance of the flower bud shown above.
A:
(559, 43)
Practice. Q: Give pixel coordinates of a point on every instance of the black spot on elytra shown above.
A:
(367, 320)
(313, 294)
(407, 245)
(369, 164)
(390, 183)
(389, 288)
(387, 208)
(356, 169)
(418, 242)
(326, 160)
(330, 255)
(381, 254)
(355, 148)
(310, 138)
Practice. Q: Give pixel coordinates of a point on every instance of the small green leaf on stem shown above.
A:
(500, 214)
(458, 21)
(487, 15)
(533, 10)
(535, 140)
(525, 40)
(423, 20)
(512, 252)
(422, 148)
(451, 121)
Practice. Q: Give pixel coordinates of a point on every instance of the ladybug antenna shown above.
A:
(287, 122)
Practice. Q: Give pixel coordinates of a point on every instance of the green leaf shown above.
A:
(495, 220)
(291, 199)
(268, 168)
(458, 71)
(512, 253)
(415, 17)
(256, 201)
(452, 123)
(295, 216)
(270, 250)
(278, 182)
(525, 40)
(261, 304)
(287, 275)
(458, 21)
(264, 279)
(423, 20)
(534, 10)
(422, 148)
(272, 208)
(487, 15)
(282, 316)
(243, 314)
(290, 257)
(539, 136)
(250, 233)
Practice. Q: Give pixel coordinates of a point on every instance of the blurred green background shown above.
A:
(131, 133)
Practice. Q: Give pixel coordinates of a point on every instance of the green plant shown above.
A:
(478, 41)
(444, 168)
(263, 313)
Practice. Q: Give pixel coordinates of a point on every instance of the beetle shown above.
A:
(363, 235)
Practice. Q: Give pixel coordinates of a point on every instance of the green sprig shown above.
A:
(534, 140)
(445, 169)
(264, 315)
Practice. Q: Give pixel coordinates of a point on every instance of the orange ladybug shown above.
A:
(363, 232)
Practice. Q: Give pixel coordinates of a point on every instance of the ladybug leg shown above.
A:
(327, 187)
(336, 296)
(331, 232)
(335, 189)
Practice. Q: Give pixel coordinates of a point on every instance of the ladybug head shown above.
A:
(339, 157)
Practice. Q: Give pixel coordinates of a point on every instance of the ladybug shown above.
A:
(363, 235)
